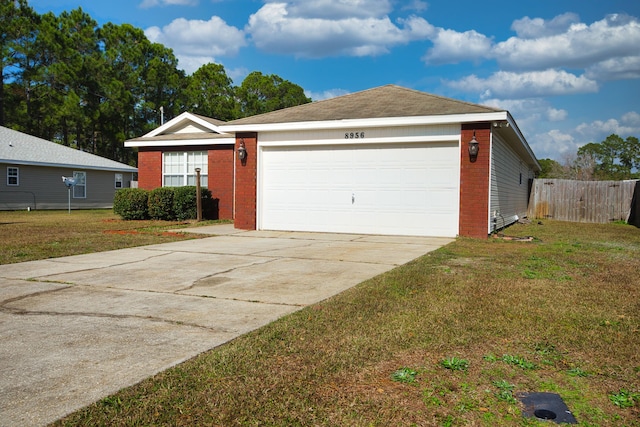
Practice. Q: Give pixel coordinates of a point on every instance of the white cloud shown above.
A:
(553, 144)
(416, 5)
(532, 115)
(146, 4)
(615, 69)
(598, 130)
(580, 45)
(450, 46)
(605, 50)
(190, 64)
(275, 29)
(555, 115)
(528, 28)
(631, 119)
(327, 94)
(198, 42)
(558, 144)
(238, 74)
(504, 84)
(336, 9)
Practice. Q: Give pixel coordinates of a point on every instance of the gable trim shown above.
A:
(182, 118)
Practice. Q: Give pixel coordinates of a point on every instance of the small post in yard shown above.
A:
(69, 183)
(198, 197)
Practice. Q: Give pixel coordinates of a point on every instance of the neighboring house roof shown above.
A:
(381, 102)
(21, 149)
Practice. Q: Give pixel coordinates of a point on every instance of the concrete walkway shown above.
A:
(76, 329)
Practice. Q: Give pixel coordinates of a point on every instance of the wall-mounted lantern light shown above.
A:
(242, 151)
(474, 147)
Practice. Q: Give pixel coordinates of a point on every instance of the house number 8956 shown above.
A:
(353, 135)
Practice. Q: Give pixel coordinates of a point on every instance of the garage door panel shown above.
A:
(386, 189)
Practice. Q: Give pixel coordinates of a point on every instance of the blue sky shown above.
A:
(567, 70)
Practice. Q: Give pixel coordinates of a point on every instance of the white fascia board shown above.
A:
(368, 141)
(180, 143)
(72, 166)
(367, 123)
(186, 116)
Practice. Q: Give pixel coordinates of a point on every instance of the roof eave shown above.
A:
(370, 122)
(179, 142)
(523, 141)
(68, 165)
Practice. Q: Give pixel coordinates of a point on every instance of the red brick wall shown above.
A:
(220, 180)
(149, 168)
(246, 182)
(474, 182)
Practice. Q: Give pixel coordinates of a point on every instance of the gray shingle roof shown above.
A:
(210, 120)
(380, 102)
(22, 149)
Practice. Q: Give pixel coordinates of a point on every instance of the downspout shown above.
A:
(490, 180)
(233, 204)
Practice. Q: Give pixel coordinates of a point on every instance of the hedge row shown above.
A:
(164, 203)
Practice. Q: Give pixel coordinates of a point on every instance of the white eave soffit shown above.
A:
(367, 123)
(181, 142)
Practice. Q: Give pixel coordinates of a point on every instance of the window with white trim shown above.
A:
(119, 180)
(80, 188)
(179, 168)
(13, 176)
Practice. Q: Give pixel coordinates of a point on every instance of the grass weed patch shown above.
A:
(404, 375)
(332, 363)
(34, 235)
(455, 364)
(624, 399)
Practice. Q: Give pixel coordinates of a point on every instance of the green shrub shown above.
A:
(161, 203)
(185, 203)
(131, 203)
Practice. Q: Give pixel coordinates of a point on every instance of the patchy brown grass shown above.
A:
(28, 236)
(559, 314)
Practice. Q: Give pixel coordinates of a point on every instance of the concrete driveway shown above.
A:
(76, 329)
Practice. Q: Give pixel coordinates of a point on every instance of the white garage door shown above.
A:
(389, 189)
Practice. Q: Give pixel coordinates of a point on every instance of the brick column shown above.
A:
(246, 182)
(474, 182)
(220, 182)
(149, 168)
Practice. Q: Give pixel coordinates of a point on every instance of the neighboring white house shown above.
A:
(388, 160)
(34, 168)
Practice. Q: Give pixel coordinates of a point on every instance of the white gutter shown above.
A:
(69, 165)
(352, 123)
(180, 142)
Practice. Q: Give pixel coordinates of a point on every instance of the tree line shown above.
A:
(69, 80)
(613, 159)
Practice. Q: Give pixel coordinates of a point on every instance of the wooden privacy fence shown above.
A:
(582, 201)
